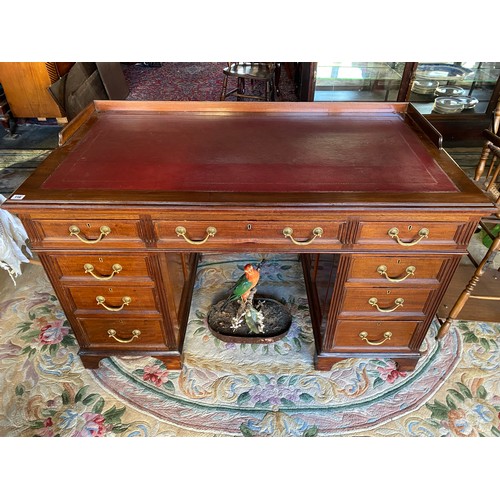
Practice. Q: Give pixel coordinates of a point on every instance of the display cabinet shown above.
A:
(363, 81)
(466, 92)
(473, 83)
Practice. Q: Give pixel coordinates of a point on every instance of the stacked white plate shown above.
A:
(446, 91)
(469, 102)
(424, 86)
(447, 105)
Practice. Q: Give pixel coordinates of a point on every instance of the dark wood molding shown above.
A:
(307, 81)
(406, 81)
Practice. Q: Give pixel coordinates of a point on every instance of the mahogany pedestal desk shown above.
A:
(378, 213)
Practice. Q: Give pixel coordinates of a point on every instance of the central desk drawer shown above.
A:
(90, 233)
(113, 300)
(214, 234)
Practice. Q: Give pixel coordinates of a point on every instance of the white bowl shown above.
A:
(424, 86)
(449, 91)
(469, 102)
(447, 105)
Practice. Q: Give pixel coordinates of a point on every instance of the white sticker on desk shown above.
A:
(17, 196)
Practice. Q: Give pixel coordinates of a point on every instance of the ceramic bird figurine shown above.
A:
(246, 283)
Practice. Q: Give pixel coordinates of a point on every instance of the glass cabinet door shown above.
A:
(454, 87)
(358, 81)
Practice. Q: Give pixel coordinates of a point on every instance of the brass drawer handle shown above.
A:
(398, 303)
(89, 268)
(382, 270)
(75, 231)
(364, 336)
(317, 232)
(181, 231)
(135, 334)
(100, 301)
(394, 234)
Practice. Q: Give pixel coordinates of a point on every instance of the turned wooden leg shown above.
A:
(224, 88)
(241, 89)
(464, 296)
(482, 162)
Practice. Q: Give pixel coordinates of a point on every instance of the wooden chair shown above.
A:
(244, 72)
(494, 128)
(490, 185)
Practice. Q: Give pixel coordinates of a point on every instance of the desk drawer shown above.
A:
(113, 300)
(100, 267)
(407, 236)
(374, 335)
(216, 234)
(90, 234)
(388, 302)
(398, 271)
(122, 334)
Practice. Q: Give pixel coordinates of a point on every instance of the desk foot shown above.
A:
(406, 364)
(90, 361)
(326, 361)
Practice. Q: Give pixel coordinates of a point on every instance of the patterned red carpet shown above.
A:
(185, 81)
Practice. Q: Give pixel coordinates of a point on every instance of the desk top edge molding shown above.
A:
(226, 107)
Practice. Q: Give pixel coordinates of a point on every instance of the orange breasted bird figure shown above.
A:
(245, 284)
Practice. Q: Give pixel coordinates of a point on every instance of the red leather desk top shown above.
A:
(250, 153)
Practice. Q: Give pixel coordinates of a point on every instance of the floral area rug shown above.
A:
(236, 389)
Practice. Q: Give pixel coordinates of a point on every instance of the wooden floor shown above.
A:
(474, 309)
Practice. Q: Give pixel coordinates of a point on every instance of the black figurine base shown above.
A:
(277, 321)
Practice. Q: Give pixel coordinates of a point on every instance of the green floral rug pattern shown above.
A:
(236, 389)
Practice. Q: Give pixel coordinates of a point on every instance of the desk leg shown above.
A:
(91, 360)
(326, 361)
